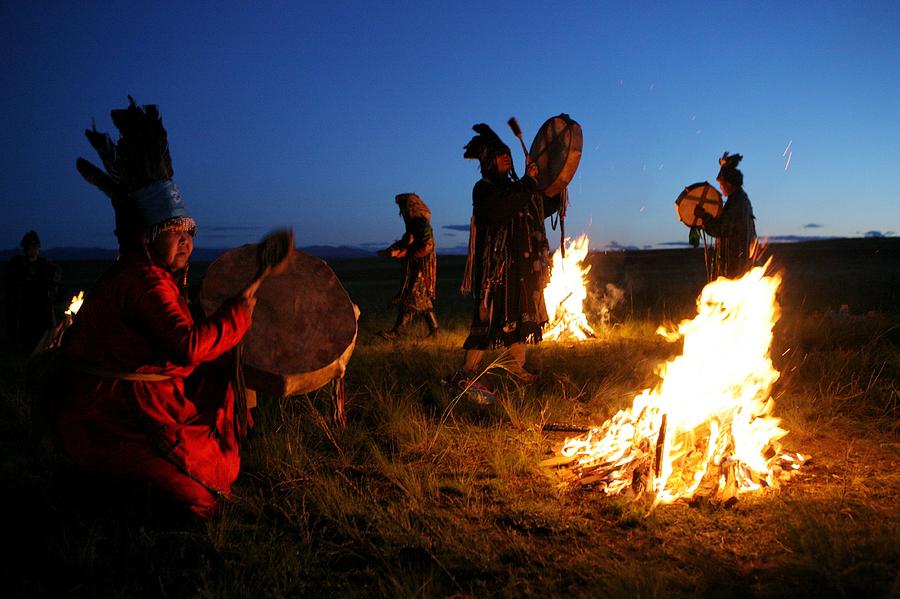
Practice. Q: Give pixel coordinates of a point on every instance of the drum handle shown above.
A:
(563, 203)
(517, 131)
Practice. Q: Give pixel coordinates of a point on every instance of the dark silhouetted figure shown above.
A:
(508, 264)
(734, 228)
(32, 283)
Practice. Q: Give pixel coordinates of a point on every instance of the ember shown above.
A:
(566, 292)
(707, 426)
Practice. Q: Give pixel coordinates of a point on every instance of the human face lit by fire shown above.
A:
(173, 248)
(503, 162)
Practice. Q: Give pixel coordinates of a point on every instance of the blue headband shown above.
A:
(158, 202)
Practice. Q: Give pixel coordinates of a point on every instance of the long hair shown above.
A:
(489, 170)
(412, 206)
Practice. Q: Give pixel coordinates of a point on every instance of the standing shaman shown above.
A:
(509, 260)
(417, 251)
(734, 228)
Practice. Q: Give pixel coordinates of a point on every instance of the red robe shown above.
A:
(175, 436)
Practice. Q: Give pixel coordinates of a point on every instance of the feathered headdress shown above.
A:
(728, 170)
(138, 174)
(484, 146)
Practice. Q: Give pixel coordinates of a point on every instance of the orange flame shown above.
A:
(75, 304)
(564, 295)
(709, 417)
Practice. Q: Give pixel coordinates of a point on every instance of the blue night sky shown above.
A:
(315, 115)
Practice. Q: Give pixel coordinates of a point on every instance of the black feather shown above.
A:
(99, 179)
(143, 147)
(480, 145)
(105, 148)
(139, 157)
(730, 160)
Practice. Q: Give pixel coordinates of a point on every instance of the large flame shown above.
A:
(709, 419)
(564, 295)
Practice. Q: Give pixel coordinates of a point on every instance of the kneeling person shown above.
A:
(141, 406)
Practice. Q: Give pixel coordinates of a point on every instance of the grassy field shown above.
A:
(424, 496)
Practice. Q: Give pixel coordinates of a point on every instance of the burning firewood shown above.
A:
(707, 426)
(564, 295)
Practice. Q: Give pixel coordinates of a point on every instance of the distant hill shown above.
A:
(332, 252)
(340, 251)
(199, 255)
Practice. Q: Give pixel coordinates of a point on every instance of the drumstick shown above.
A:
(273, 255)
(517, 131)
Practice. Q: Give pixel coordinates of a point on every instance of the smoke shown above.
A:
(601, 301)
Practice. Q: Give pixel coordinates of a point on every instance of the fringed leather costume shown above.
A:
(417, 251)
(509, 257)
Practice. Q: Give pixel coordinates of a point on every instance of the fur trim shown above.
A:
(413, 206)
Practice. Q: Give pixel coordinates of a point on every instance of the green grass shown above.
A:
(425, 494)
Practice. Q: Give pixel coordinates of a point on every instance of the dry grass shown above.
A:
(425, 494)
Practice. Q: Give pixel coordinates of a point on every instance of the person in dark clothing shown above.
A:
(734, 228)
(417, 251)
(32, 283)
(509, 257)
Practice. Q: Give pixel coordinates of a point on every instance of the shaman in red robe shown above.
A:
(137, 409)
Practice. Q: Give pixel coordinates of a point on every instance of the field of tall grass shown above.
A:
(426, 494)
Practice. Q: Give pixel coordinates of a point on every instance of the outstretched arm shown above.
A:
(399, 248)
(183, 341)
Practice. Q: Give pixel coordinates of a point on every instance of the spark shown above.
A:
(783, 154)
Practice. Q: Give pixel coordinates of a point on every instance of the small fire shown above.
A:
(75, 304)
(708, 422)
(564, 295)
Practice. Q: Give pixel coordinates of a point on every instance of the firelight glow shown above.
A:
(709, 419)
(75, 304)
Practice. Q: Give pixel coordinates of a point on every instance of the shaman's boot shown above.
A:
(403, 319)
(432, 322)
(517, 368)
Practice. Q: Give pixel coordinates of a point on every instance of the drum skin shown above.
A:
(695, 195)
(304, 323)
(556, 150)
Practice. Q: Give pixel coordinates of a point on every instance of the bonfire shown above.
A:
(707, 426)
(564, 295)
